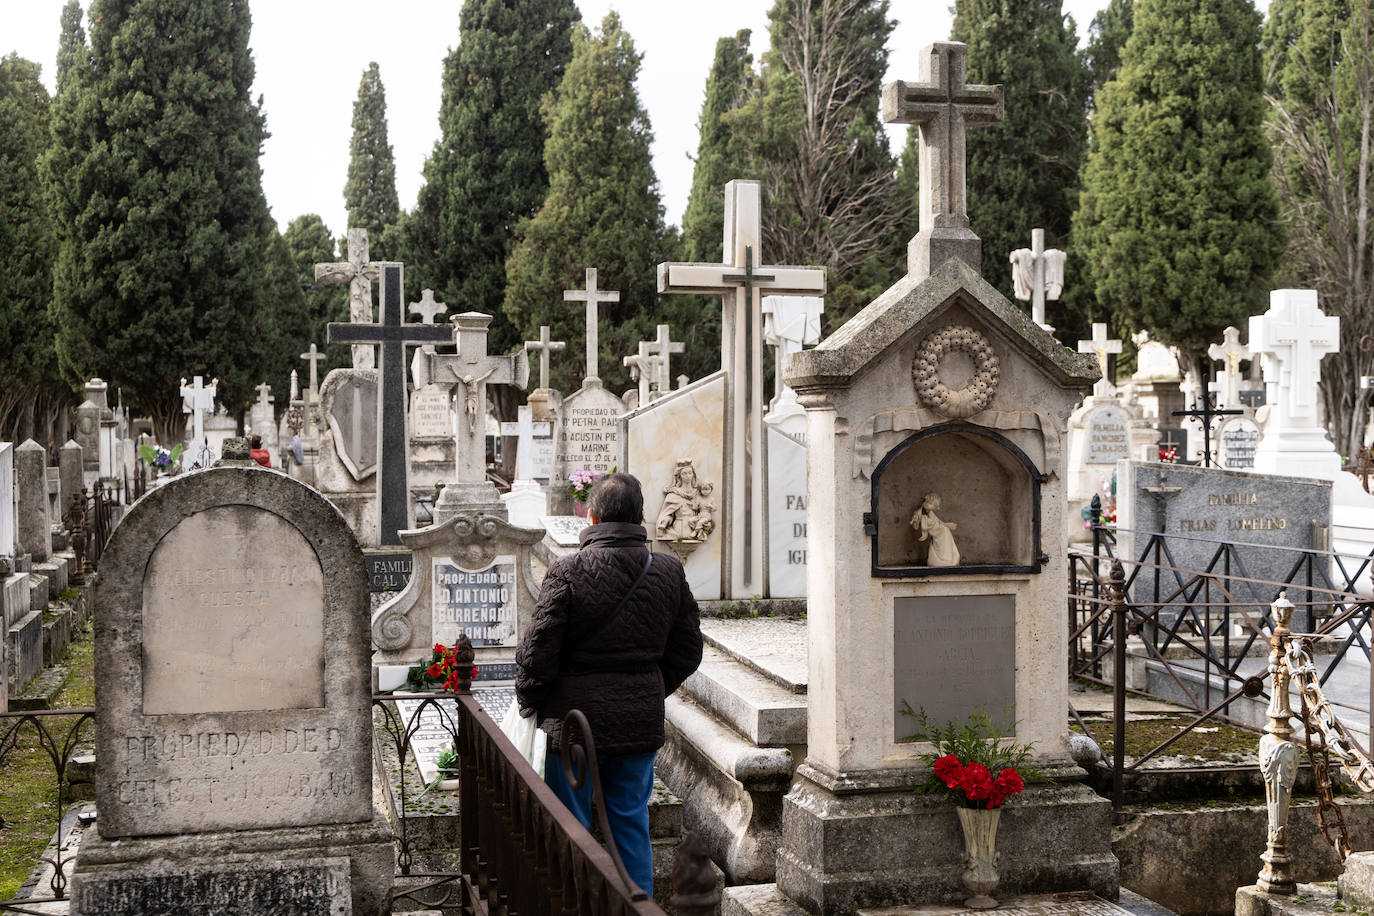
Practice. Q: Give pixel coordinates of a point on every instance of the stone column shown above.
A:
(35, 525)
(69, 459)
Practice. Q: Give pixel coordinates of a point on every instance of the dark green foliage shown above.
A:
(602, 211)
(1022, 174)
(1176, 220)
(487, 169)
(156, 190)
(28, 369)
(286, 324)
(830, 194)
(370, 194)
(72, 44)
(909, 179)
(307, 239)
(1107, 35)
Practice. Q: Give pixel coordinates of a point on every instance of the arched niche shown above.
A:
(988, 487)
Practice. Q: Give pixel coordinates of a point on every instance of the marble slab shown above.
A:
(564, 529)
(786, 516)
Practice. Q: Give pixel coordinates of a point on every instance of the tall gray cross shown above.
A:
(546, 347)
(646, 368)
(427, 308)
(942, 106)
(664, 347)
(472, 370)
(359, 273)
(393, 334)
(1032, 270)
(591, 295)
(198, 400)
(313, 356)
(741, 281)
(264, 394)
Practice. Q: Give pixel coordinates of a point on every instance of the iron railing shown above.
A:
(90, 520)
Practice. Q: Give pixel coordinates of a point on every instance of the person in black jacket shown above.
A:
(616, 630)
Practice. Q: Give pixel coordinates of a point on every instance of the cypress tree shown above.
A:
(1107, 35)
(486, 172)
(1022, 174)
(162, 225)
(28, 372)
(370, 194)
(308, 241)
(1176, 218)
(603, 209)
(71, 45)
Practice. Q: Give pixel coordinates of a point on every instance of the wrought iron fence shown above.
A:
(90, 520)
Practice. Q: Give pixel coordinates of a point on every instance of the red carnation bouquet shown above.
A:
(971, 763)
(442, 671)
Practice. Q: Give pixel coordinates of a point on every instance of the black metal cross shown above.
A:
(394, 335)
(1206, 413)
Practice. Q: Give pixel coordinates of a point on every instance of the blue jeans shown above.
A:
(626, 782)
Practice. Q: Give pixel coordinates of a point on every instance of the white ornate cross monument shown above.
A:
(942, 105)
(198, 400)
(1291, 339)
(741, 279)
(359, 273)
(1037, 274)
(1230, 351)
(1102, 347)
(427, 308)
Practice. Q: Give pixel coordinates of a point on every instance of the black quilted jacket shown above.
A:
(617, 674)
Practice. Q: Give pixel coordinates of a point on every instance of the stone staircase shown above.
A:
(736, 732)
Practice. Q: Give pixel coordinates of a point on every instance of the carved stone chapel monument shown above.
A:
(936, 427)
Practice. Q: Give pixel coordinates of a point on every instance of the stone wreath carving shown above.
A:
(975, 396)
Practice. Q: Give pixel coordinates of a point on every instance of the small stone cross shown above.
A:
(664, 347)
(1037, 275)
(546, 347)
(359, 273)
(1103, 347)
(264, 394)
(943, 106)
(1230, 351)
(198, 400)
(427, 308)
(645, 368)
(313, 356)
(592, 296)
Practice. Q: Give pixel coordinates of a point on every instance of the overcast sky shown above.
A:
(310, 57)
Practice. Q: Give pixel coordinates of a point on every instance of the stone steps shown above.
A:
(762, 710)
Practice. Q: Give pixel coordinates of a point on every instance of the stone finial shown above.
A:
(235, 449)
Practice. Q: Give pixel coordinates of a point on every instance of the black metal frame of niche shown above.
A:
(1037, 479)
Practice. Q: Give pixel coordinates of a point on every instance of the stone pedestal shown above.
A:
(526, 504)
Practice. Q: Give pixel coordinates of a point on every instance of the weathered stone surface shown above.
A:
(773, 646)
(1310, 900)
(31, 479)
(1357, 880)
(14, 598)
(585, 435)
(24, 650)
(304, 887)
(188, 746)
(55, 572)
(756, 706)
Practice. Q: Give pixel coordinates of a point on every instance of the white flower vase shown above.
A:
(980, 848)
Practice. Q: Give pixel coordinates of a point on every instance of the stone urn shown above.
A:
(980, 850)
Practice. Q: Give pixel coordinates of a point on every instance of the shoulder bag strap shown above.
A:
(614, 615)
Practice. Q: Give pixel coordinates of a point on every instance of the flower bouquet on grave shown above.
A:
(966, 755)
(580, 487)
(161, 460)
(441, 673)
(1169, 455)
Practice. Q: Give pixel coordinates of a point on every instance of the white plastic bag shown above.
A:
(526, 735)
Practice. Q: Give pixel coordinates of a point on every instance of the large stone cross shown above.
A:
(359, 273)
(472, 370)
(742, 280)
(1103, 347)
(592, 296)
(393, 334)
(663, 346)
(1291, 338)
(198, 400)
(1230, 351)
(942, 106)
(545, 347)
(427, 308)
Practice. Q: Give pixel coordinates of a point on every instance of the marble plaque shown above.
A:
(388, 572)
(430, 417)
(786, 516)
(478, 602)
(349, 401)
(1108, 436)
(248, 885)
(1239, 439)
(587, 431)
(951, 655)
(543, 457)
(233, 615)
(564, 529)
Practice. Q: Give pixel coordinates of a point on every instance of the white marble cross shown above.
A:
(427, 308)
(1291, 338)
(663, 346)
(741, 280)
(198, 400)
(546, 347)
(1099, 344)
(942, 106)
(1230, 351)
(645, 367)
(265, 398)
(591, 296)
(313, 356)
(1038, 274)
(359, 273)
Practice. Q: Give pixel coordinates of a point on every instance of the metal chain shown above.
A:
(1329, 813)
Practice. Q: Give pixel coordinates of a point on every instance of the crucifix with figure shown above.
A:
(1104, 348)
(741, 279)
(359, 273)
(663, 346)
(942, 106)
(471, 370)
(393, 335)
(198, 399)
(1230, 351)
(593, 297)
